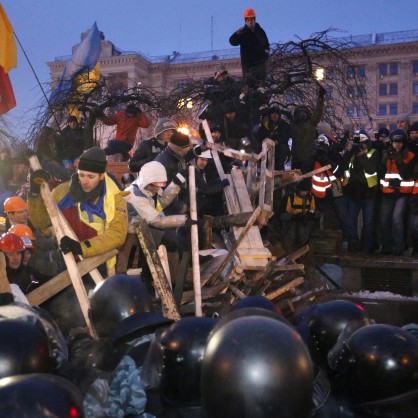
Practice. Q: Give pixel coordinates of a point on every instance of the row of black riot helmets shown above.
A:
(250, 362)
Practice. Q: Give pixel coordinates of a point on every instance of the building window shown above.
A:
(383, 89)
(393, 68)
(182, 84)
(361, 111)
(383, 70)
(329, 73)
(393, 89)
(361, 71)
(415, 108)
(415, 67)
(382, 110)
(415, 89)
(351, 72)
(362, 91)
(329, 93)
(350, 91)
(350, 111)
(393, 108)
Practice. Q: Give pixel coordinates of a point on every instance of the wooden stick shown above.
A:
(242, 235)
(4, 281)
(157, 272)
(232, 208)
(233, 153)
(195, 243)
(76, 279)
(63, 280)
(285, 288)
(303, 176)
(64, 225)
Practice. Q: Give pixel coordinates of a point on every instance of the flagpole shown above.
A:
(39, 83)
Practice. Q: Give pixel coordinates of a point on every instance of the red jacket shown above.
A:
(126, 126)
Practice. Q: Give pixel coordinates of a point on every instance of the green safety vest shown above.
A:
(370, 178)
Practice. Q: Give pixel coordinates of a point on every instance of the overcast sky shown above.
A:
(49, 28)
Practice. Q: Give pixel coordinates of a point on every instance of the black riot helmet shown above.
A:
(255, 301)
(378, 362)
(183, 345)
(398, 135)
(320, 325)
(255, 366)
(121, 305)
(23, 349)
(35, 315)
(40, 395)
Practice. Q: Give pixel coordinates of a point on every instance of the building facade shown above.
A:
(386, 62)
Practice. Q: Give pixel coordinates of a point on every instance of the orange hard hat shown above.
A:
(249, 13)
(11, 243)
(15, 204)
(22, 230)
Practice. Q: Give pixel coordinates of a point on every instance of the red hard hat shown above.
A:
(11, 243)
(15, 204)
(249, 13)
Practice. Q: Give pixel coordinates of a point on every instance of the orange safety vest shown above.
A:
(406, 185)
(322, 181)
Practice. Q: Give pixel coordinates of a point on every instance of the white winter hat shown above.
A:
(152, 172)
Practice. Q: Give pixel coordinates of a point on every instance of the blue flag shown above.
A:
(83, 60)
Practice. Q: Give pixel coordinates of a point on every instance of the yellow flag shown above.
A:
(8, 51)
(83, 84)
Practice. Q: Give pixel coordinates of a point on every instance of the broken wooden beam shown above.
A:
(63, 280)
(157, 271)
(288, 286)
(242, 235)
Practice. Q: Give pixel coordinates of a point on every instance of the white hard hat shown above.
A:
(152, 172)
(206, 154)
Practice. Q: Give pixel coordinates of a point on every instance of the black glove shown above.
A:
(69, 245)
(225, 182)
(394, 183)
(28, 153)
(190, 222)
(236, 163)
(180, 178)
(36, 179)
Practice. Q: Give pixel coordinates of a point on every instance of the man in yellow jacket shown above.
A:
(91, 202)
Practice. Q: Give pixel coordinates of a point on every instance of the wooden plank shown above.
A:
(67, 230)
(63, 280)
(70, 262)
(281, 290)
(227, 190)
(243, 233)
(255, 253)
(207, 293)
(195, 242)
(157, 272)
(266, 185)
(4, 281)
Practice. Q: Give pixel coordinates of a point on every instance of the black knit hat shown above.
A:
(413, 127)
(180, 139)
(93, 160)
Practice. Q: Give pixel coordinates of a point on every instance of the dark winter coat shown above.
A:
(70, 143)
(303, 133)
(254, 46)
(147, 151)
(174, 164)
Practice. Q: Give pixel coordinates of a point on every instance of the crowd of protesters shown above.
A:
(136, 362)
